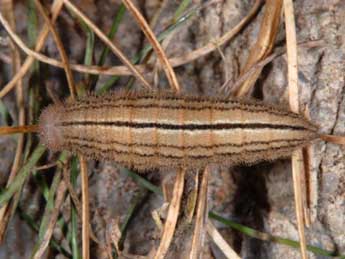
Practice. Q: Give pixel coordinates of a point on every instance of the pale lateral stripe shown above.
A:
(228, 118)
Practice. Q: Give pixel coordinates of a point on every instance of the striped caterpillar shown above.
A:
(146, 131)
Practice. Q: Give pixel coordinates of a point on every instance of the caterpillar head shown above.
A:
(50, 133)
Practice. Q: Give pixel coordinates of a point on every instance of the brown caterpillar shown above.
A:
(147, 131)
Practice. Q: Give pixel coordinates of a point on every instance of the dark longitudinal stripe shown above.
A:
(219, 126)
(114, 142)
(187, 99)
(100, 150)
(237, 106)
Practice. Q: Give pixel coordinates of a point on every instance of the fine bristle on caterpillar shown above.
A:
(146, 131)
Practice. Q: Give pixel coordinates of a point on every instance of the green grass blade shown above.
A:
(136, 203)
(49, 205)
(90, 44)
(74, 215)
(47, 211)
(267, 237)
(32, 23)
(145, 51)
(105, 52)
(4, 113)
(181, 8)
(23, 174)
(142, 181)
(33, 225)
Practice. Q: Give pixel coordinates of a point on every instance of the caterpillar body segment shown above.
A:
(146, 131)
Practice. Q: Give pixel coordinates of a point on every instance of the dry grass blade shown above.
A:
(77, 203)
(260, 65)
(27, 50)
(297, 169)
(201, 218)
(60, 48)
(72, 193)
(55, 10)
(220, 242)
(85, 191)
(174, 209)
(108, 42)
(188, 57)
(250, 72)
(310, 187)
(19, 129)
(192, 199)
(339, 140)
(155, 44)
(116, 70)
(60, 194)
(85, 208)
(297, 156)
(264, 44)
(7, 7)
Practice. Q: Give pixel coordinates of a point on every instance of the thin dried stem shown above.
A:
(85, 191)
(264, 44)
(260, 65)
(60, 195)
(55, 10)
(7, 6)
(72, 193)
(85, 208)
(201, 218)
(19, 129)
(339, 140)
(220, 242)
(193, 198)
(297, 156)
(108, 42)
(171, 221)
(155, 44)
(60, 48)
(77, 203)
(45, 167)
(211, 46)
(116, 70)
(297, 169)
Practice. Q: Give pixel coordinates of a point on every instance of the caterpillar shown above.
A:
(147, 130)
